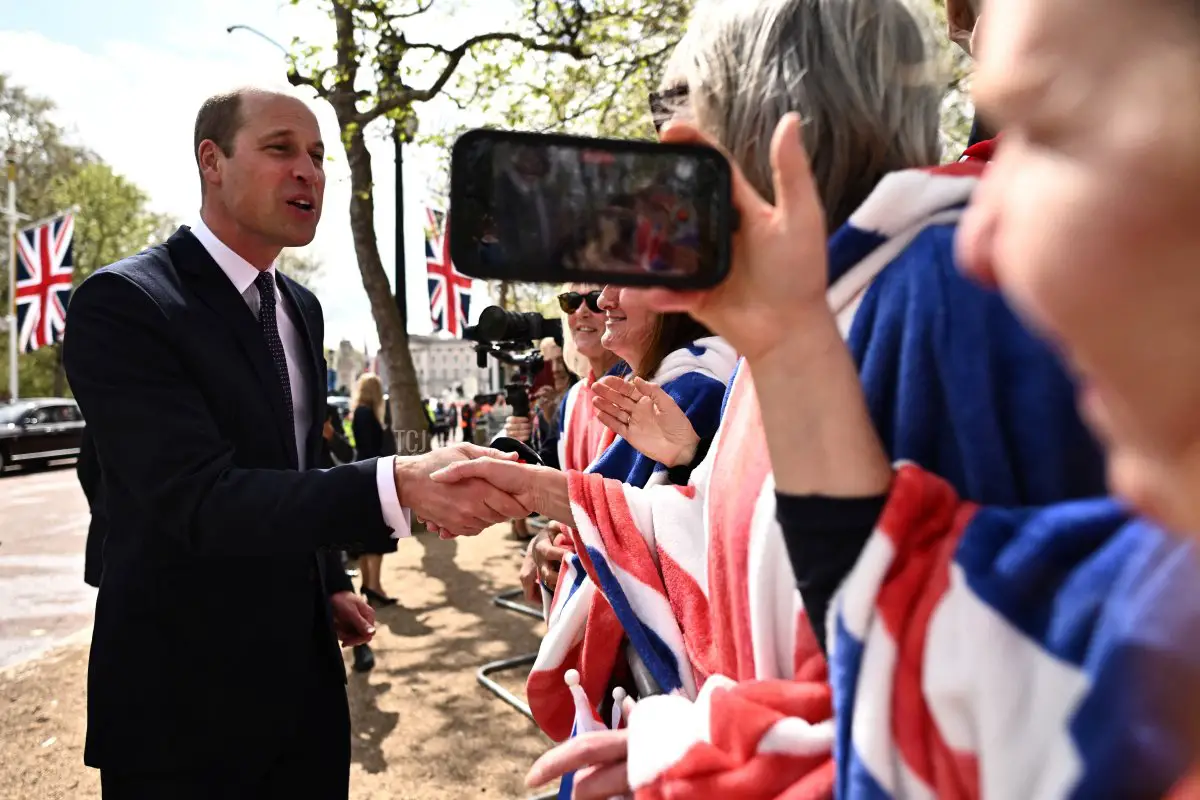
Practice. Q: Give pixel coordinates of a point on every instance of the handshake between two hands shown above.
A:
(456, 491)
(460, 490)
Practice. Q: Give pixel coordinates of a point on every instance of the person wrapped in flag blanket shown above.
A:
(583, 633)
(580, 436)
(970, 393)
(975, 650)
(748, 642)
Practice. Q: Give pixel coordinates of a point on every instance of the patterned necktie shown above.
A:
(265, 282)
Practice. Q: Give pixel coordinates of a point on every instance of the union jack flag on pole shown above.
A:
(449, 289)
(45, 267)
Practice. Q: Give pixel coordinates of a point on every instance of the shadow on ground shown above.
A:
(427, 651)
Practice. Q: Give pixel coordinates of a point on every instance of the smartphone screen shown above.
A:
(552, 208)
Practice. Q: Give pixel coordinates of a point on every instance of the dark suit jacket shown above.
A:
(87, 469)
(91, 480)
(211, 551)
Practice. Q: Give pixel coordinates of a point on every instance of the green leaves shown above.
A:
(112, 220)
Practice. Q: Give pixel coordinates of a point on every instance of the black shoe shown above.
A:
(364, 659)
(376, 599)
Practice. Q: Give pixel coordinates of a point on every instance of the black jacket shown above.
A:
(87, 469)
(201, 490)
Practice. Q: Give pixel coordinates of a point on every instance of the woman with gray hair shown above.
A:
(951, 379)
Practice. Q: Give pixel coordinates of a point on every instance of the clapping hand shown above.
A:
(647, 417)
(462, 508)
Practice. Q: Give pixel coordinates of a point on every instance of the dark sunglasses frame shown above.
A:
(570, 302)
(664, 104)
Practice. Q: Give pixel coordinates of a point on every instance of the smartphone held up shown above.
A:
(555, 209)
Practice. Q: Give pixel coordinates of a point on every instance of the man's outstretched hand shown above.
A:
(460, 509)
(539, 489)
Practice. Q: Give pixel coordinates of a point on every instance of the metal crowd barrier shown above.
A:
(483, 674)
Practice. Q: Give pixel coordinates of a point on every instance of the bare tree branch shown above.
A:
(392, 100)
(296, 79)
(420, 9)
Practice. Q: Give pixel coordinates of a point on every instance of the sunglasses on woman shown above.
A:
(570, 302)
(665, 104)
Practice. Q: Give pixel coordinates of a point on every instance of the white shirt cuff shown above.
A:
(397, 518)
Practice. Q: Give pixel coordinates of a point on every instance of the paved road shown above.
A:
(43, 528)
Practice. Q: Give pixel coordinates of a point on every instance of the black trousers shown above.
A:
(315, 763)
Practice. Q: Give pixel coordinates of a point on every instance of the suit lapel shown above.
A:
(214, 289)
(314, 379)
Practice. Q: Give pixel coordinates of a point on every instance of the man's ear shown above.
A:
(960, 21)
(210, 158)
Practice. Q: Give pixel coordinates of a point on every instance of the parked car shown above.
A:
(38, 430)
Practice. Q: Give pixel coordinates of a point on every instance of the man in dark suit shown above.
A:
(87, 469)
(201, 374)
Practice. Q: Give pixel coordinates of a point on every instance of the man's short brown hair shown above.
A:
(219, 119)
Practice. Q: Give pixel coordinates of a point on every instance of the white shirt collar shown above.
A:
(241, 273)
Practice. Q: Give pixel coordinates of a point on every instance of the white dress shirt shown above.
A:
(242, 274)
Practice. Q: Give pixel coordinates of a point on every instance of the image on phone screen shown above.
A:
(567, 209)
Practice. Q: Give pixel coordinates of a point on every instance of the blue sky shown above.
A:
(87, 25)
(128, 75)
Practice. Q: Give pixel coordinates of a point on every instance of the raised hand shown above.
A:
(779, 274)
(467, 506)
(647, 417)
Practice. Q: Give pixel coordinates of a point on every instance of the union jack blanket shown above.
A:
(581, 437)
(698, 576)
(583, 632)
(985, 652)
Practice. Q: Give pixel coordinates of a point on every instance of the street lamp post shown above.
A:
(403, 130)
(260, 35)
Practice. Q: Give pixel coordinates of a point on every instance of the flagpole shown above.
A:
(11, 311)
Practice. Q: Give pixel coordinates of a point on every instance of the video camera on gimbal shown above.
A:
(511, 337)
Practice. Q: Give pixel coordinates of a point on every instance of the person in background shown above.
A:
(370, 438)
(441, 423)
(692, 368)
(467, 413)
(548, 398)
(580, 436)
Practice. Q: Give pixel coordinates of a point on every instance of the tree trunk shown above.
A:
(408, 414)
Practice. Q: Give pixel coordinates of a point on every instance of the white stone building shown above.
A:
(444, 366)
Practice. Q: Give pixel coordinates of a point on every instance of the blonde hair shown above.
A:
(858, 71)
(368, 391)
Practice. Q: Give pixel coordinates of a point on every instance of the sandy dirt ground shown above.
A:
(423, 728)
